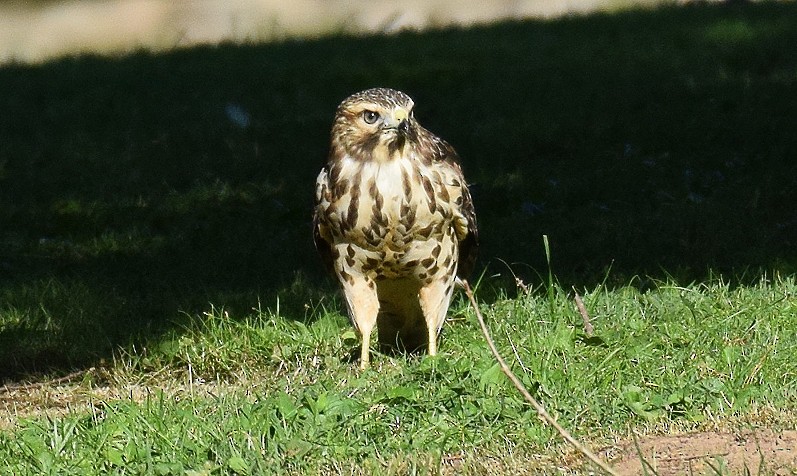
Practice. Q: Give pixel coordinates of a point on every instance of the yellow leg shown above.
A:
(434, 303)
(363, 304)
(365, 352)
(432, 340)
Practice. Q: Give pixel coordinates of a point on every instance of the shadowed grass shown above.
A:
(155, 184)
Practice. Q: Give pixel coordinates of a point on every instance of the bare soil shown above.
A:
(753, 452)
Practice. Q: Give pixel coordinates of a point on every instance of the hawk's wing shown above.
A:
(321, 236)
(469, 245)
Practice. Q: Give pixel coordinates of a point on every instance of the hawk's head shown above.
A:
(374, 124)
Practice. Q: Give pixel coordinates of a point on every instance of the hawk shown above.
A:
(394, 221)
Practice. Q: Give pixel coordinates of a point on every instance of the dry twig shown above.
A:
(584, 314)
(543, 414)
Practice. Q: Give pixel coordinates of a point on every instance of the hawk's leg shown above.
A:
(363, 304)
(434, 298)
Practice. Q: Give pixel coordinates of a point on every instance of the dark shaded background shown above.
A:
(138, 191)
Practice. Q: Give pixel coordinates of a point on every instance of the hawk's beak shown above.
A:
(399, 120)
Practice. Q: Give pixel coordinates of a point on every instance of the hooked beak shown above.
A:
(399, 120)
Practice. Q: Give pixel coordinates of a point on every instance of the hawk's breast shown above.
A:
(398, 212)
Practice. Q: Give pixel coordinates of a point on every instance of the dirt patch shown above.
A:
(753, 452)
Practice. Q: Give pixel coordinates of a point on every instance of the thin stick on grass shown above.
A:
(522, 389)
(584, 314)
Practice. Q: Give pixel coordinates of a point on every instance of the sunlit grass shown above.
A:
(258, 390)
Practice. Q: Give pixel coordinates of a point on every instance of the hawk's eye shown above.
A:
(370, 117)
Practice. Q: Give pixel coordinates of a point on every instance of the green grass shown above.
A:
(145, 232)
(245, 395)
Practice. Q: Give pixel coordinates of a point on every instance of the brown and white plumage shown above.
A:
(393, 220)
